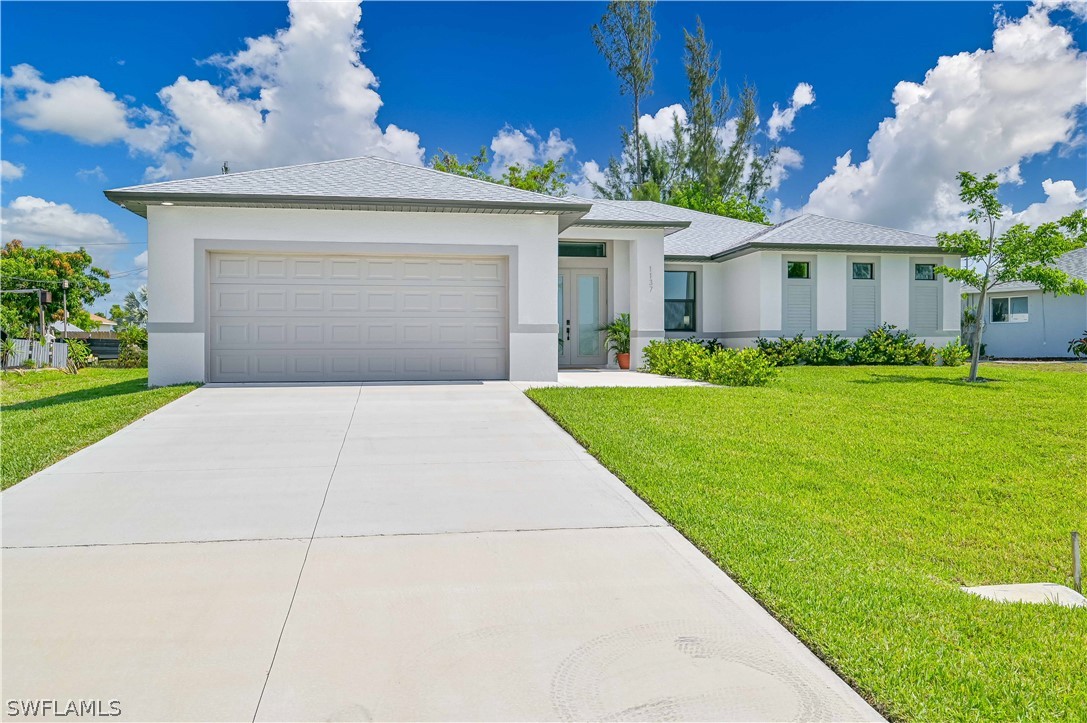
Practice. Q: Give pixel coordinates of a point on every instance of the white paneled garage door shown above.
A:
(287, 317)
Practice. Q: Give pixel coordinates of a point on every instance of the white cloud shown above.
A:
(87, 174)
(781, 119)
(1061, 199)
(302, 94)
(786, 159)
(589, 174)
(511, 146)
(77, 106)
(34, 221)
(981, 111)
(659, 126)
(11, 171)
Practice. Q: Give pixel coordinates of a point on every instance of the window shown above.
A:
(798, 270)
(1009, 309)
(924, 272)
(679, 301)
(864, 272)
(582, 250)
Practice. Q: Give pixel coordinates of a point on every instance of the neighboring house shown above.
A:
(368, 269)
(59, 328)
(1023, 322)
(103, 323)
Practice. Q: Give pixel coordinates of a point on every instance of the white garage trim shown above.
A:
(299, 317)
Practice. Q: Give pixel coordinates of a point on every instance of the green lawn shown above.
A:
(854, 501)
(47, 415)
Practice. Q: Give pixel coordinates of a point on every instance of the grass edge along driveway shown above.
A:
(47, 415)
(853, 502)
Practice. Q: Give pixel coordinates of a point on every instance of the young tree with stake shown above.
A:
(1019, 253)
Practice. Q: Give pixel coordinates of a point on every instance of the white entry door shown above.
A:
(315, 318)
(583, 309)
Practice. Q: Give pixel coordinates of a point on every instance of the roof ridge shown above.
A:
(771, 229)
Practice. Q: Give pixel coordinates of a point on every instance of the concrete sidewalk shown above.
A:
(376, 552)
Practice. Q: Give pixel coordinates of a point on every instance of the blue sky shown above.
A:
(455, 74)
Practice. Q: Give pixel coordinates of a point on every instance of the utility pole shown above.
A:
(64, 286)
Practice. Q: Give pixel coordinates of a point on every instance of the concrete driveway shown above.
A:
(400, 552)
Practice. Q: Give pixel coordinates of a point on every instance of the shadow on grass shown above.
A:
(131, 386)
(981, 383)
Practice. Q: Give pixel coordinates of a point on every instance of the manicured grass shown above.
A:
(47, 415)
(853, 502)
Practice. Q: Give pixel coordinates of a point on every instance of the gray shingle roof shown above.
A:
(629, 214)
(352, 182)
(1073, 263)
(811, 230)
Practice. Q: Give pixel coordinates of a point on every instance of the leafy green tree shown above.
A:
(546, 178)
(41, 267)
(693, 195)
(625, 37)
(1019, 253)
(705, 113)
(473, 168)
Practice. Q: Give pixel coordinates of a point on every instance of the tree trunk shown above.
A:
(979, 326)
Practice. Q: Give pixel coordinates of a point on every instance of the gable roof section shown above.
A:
(1073, 263)
(365, 183)
(606, 213)
(822, 232)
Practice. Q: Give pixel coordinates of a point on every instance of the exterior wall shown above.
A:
(1052, 321)
(180, 238)
(749, 290)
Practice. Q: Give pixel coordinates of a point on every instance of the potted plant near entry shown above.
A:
(617, 337)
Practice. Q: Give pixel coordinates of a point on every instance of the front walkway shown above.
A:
(398, 552)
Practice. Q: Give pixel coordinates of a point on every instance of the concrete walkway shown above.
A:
(397, 552)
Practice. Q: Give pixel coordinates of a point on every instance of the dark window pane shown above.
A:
(1000, 309)
(863, 271)
(1019, 305)
(679, 315)
(679, 285)
(924, 272)
(582, 250)
(799, 270)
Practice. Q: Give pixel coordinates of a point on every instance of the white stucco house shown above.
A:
(367, 269)
(1023, 322)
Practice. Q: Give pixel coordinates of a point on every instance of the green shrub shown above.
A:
(132, 335)
(132, 357)
(782, 352)
(676, 358)
(690, 359)
(79, 353)
(825, 349)
(739, 368)
(887, 345)
(954, 353)
(1078, 347)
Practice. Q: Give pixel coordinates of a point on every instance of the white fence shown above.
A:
(53, 354)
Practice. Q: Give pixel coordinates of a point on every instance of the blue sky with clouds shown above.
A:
(877, 104)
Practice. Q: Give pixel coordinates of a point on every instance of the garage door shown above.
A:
(286, 317)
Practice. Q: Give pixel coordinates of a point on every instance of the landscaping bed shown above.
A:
(47, 415)
(853, 502)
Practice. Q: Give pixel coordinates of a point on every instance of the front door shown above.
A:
(583, 310)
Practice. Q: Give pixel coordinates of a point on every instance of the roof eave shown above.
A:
(137, 202)
(669, 227)
(850, 248)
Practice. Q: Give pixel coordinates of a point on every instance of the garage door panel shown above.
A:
(342, 318)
